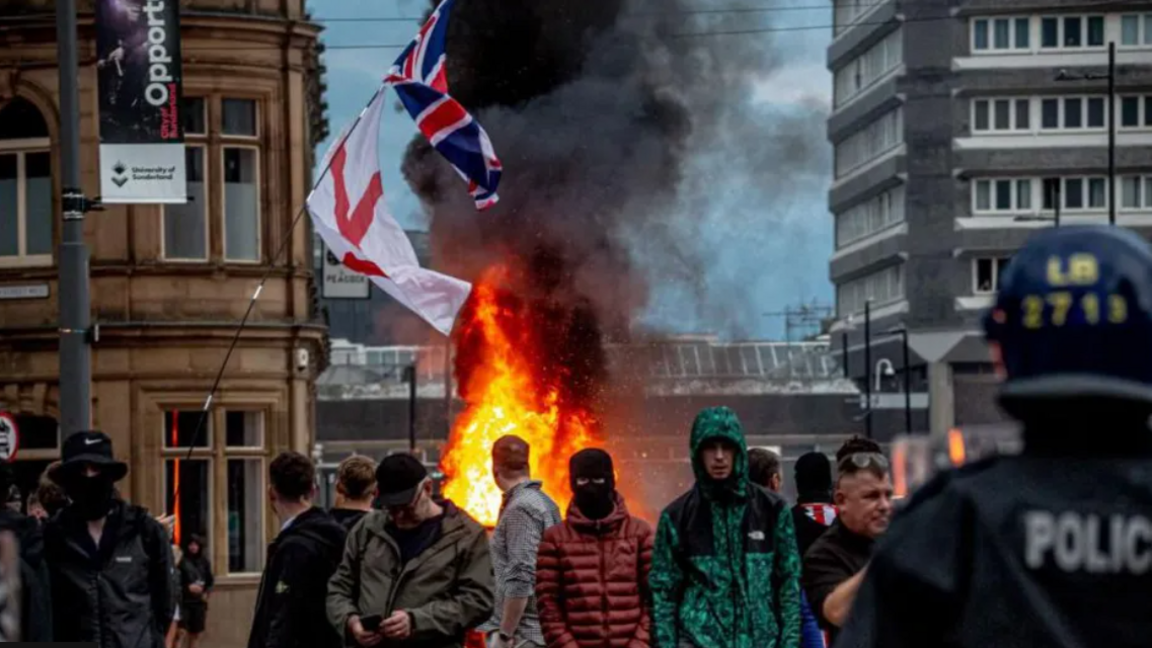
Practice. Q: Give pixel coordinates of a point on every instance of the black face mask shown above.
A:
(92, 496)
(595, 500)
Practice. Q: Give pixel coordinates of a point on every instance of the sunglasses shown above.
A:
(862, 461)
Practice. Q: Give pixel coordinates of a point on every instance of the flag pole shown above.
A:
(327, 166)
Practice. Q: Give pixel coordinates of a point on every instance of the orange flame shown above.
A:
(507, 392)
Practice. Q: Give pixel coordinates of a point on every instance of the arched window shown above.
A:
(26, 212)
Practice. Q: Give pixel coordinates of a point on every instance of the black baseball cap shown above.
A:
(397, 478)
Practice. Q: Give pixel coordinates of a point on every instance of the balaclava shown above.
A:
(596, 499)
(92, 496)
(814, 478)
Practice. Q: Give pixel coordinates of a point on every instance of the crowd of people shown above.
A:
(393, 562)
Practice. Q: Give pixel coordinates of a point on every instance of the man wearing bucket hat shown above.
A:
(110, 562)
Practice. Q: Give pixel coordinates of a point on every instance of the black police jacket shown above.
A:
(291, 604)
(117, 595)
(1015, 551)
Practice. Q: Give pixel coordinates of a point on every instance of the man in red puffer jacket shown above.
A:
(592, 570)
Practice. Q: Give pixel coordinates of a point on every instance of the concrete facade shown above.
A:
(165, 323)
(982, 113)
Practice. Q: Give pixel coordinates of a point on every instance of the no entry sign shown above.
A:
(9, 437)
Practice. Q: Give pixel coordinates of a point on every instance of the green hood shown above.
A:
(719, 423)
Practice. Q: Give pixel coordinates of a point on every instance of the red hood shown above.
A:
(611, 523)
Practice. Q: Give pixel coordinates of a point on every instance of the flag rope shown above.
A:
(205, 411)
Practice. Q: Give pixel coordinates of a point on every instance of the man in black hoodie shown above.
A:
(290, 607)
(110, 562)
(36, 599)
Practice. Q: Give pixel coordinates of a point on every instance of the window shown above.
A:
(871, 142)
(1002, 195)
(1078, 193)
(241, 204)
(26, 196)
(230, 455)
(1073, 113)
(1001, 34)
(1000, 115)
(880, 288)
(849, 12)
(862, 72)
(1136, 192)
(1136, 112)
(1071, 32)
(223, 209)
(986, 273)
(870, 217)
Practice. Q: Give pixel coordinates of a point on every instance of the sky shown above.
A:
(763, 269)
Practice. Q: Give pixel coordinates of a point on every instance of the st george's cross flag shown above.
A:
(349, 213)
(420, 79)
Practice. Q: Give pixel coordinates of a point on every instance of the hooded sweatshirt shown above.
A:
(725, 570)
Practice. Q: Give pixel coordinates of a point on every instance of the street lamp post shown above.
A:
(907, 385)
(1065, 75)
(868, 367)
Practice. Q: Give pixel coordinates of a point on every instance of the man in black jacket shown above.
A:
(290, 607)
(110, 562)
(36, 598)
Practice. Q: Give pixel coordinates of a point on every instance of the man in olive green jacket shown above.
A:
(391, 585)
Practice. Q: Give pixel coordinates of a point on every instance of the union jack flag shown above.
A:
(420, 79)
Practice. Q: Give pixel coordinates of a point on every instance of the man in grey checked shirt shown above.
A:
(524, 515)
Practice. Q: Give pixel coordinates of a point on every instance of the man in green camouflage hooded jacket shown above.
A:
(725, 571)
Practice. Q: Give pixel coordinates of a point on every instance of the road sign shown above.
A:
(9, 437)
(342, 283)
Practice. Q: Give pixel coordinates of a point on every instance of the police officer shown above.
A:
(1052, 547)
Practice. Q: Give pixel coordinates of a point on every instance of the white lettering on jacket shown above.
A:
(1076, 542)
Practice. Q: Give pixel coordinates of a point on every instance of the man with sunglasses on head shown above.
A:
(836, 563)
(1051, 547)
(417, 573)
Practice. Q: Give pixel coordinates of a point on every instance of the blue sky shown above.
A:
(761, 258)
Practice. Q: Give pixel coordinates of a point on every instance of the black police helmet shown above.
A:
(1073, 318)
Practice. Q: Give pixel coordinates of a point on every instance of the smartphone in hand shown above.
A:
(372, 623)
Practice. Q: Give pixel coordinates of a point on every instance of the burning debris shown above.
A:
(602, 114)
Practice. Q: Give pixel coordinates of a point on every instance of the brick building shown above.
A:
(168, 285)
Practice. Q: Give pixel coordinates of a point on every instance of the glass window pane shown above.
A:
(9, 216)
(1074, 193)
(1024, 194)
(1050, 113)
(239, 117)
(1073, 115)
(241, 205)
(1003, 195)
(1023, 35)
(38, 202)
(1130, 192)
(185, 232)
(983, 195)
(180, 429)
(1023, 118)
(1148, 29)
(1049, 33)
(1148, 110)
(981, 115)
(1096, 196)
(1129, 30)
(1072, 35)
(244, 429)
(188, 480)
(195, 118)
(1095, 31)
(981, 34)
(1003, 115)
(984, 271)
(1001, 33)
(1148, 191)
(245, 516)
(1096, 112)
(1051, 191)
(1130, 111)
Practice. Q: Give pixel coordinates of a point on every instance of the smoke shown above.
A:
(634, 156)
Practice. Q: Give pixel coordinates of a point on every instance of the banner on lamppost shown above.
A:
(141, 126)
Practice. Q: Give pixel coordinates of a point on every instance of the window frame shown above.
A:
(856, 77)
(1014, 46)
(1013, 116)
(217, 454)
(1143, 31)
(1062, 114)
(887, 208)
(1014, 196)
(1143, 187)
(21, 148)
(201, 143)
(1143, 112)
(893, 274)
(225, 146)
(995, 263)
(1062, 37)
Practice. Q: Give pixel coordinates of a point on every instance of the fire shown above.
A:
(508, 391)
